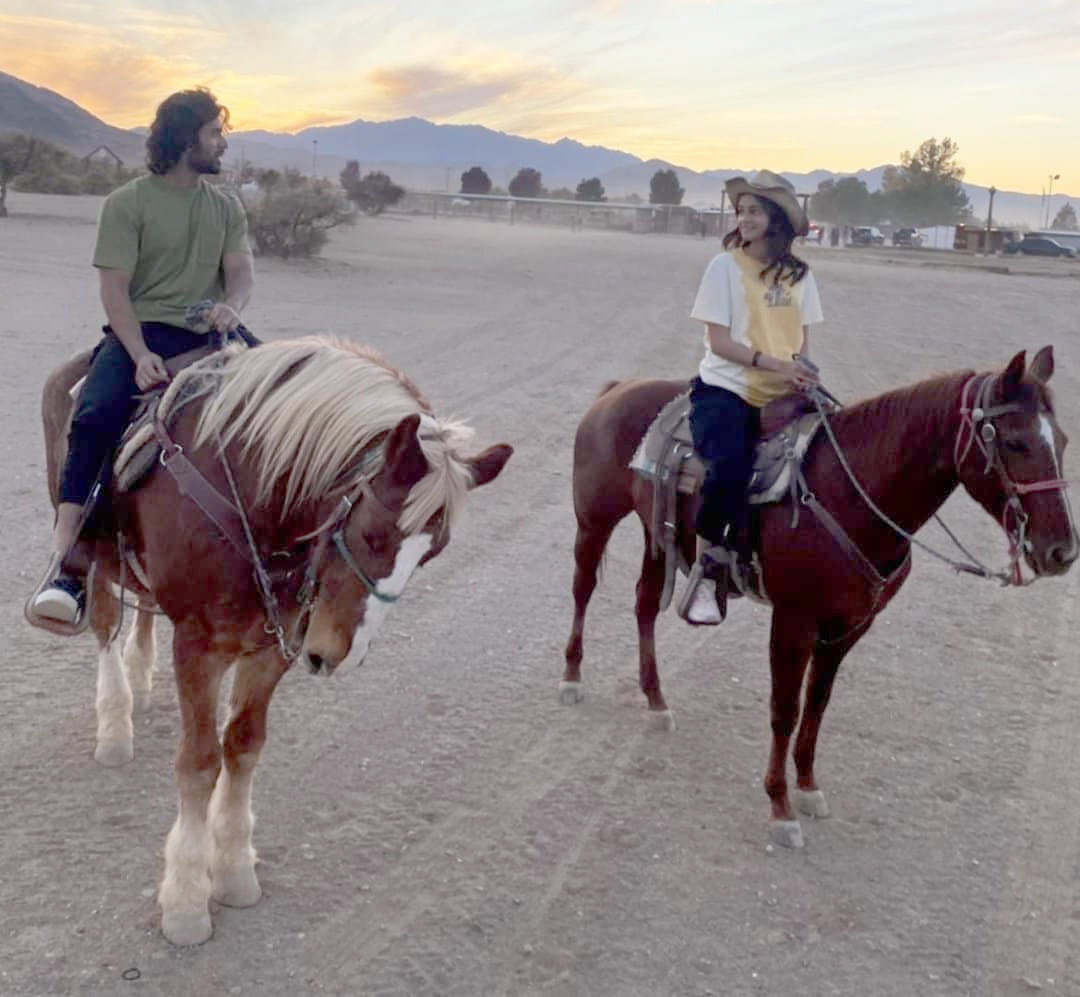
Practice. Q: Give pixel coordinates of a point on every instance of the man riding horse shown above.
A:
(165, 240)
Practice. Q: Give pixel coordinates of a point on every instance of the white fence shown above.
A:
(675, 219)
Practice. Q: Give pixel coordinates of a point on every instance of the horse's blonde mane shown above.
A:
(307, 412)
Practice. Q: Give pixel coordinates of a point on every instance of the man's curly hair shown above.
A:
(176, 126)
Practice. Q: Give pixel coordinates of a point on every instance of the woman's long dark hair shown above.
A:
(779, 235)
(176, 126)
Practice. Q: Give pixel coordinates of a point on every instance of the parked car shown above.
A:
(907, 237)
(1037, 245)
(867, 235)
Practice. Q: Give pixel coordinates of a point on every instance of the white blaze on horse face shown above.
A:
(1046, 431)
(409, 555)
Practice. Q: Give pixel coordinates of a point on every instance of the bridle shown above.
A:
(977, 429)
(332, 530)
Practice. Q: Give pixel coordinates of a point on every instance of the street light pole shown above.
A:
(1049, 192)
(990, 220)
(314, 155)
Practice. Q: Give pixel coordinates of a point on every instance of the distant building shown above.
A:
(972, 238)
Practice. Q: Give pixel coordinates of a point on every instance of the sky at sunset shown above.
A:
(708, 84)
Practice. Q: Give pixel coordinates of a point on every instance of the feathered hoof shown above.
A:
(112, 754)
(662, 720)
(570, 693)
(810, 802)
(786, 833)
(238, 890)
(186, 929)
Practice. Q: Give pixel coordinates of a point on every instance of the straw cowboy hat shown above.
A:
(771, 187)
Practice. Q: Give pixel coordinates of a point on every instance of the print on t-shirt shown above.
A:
(777, 296)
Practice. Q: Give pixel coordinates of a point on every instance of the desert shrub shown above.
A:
(48, 181)
(292, 214)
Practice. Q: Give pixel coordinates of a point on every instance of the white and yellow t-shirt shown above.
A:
(760, 314)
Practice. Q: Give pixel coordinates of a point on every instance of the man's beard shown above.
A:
(204, 162)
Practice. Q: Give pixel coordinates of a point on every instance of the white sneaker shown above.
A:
(63, 600)
(703, 607)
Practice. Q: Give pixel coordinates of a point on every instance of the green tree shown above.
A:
(664, 188)
(926, 188)
(475, 181)
(590, 190)
(527, 183)
(846, 201)
(1065, 219)
(373, 193)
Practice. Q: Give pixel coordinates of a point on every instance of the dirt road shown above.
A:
(437, 823)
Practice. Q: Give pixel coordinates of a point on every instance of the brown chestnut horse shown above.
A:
(995, 434)
(346, 483)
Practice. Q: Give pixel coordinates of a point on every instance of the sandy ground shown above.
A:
(438, 823)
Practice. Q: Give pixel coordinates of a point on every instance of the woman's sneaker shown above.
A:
(64, 600)
(699, 604)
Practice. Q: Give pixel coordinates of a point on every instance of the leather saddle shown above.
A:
(666, 458)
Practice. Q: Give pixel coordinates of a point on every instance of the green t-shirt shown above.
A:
(171, 241)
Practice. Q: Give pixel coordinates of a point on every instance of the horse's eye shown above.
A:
(1015, 446)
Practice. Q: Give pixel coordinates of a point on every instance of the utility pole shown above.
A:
(990, 220)
(314, 156)
(1049, 193)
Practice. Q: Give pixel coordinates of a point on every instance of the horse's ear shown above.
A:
(1042, 367)
(487, 465)
(403, 458)
(1014, 373)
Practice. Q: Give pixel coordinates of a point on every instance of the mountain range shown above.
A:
(421, 155)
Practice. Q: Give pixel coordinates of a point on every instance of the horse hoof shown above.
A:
(786, 833)
(663, 720)
(810, 802)
(187, 929)
(570, 693)
(114, 753)
(238, 891)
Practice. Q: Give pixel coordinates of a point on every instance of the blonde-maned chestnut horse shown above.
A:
(346, 482)
(994, 433)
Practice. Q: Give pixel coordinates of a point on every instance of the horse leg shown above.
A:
(184, 895)
(649, 586)
(588, 549)
(115, 733)
(808, 799)
(140, 651)
(232, 864)
(790, 645)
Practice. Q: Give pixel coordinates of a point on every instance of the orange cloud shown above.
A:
(118, 81)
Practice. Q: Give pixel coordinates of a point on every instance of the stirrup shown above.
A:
(34, 618)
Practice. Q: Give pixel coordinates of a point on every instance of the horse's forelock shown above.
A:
(306, 411)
